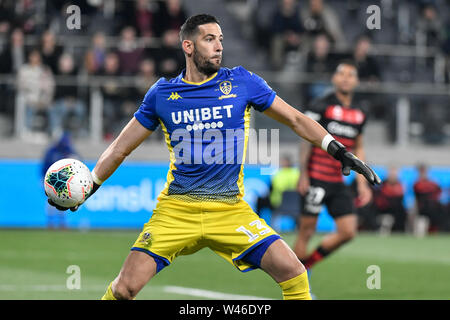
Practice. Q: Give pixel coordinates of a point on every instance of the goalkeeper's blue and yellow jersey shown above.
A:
(206, 127)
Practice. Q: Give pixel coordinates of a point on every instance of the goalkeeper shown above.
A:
(202, 203)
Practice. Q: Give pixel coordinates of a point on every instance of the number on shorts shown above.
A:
(260, 226)
(315, 195)
(252, 236)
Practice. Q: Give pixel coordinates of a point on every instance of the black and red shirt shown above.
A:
(427, 193)
(389, 196)
(345, 124)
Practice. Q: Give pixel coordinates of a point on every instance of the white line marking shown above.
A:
(46, 288)
(195, 292)
(210, 294)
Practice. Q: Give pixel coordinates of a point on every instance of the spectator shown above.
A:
(144, 17)
(169, 57)
(367, 214)
(389, 201)
(286, 179)
(429, 27)
(286, 30)
(14, 55)
(127, 110)
(173, 15)
(67, 104)
(25, 15)
(6, 18)
(113, 93)
(320, 63)
(428, 203)
(130, 98)
(61, 149)
(11, 59)
(50, 51)
(146, 77)
(95, 56)
(144, 80)
(319, 18)
(319, 60)
(130, 54)
(36, 85)
(261, 23)
(368, 69)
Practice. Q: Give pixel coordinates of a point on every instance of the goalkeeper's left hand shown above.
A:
(351, 162)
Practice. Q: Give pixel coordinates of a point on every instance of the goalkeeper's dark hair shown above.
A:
(190, 27)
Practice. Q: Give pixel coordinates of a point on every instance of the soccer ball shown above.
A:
(68, 182)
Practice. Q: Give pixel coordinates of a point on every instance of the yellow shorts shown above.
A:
(233, 231)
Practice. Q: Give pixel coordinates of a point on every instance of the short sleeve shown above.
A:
(146, 114)
(260, 94)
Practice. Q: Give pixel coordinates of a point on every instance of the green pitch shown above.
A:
(33, 265)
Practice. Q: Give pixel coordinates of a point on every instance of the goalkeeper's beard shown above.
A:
(203, 64)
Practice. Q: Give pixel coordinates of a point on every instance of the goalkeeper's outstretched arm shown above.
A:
(131, 136)
(301, 124)
(313, 132)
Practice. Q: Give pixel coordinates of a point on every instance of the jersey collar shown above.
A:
(196, 83)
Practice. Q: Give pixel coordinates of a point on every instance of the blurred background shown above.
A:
(66, 90)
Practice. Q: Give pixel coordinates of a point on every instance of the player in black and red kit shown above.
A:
(428, 194)
(321, 180)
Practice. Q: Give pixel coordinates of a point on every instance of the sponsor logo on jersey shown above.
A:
(342, 130)
(174, 96)
(338, 113)
(201, 114)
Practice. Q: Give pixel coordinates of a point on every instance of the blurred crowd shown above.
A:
(40, 56)
(284, 27)
(138, 39)
(312, 36)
